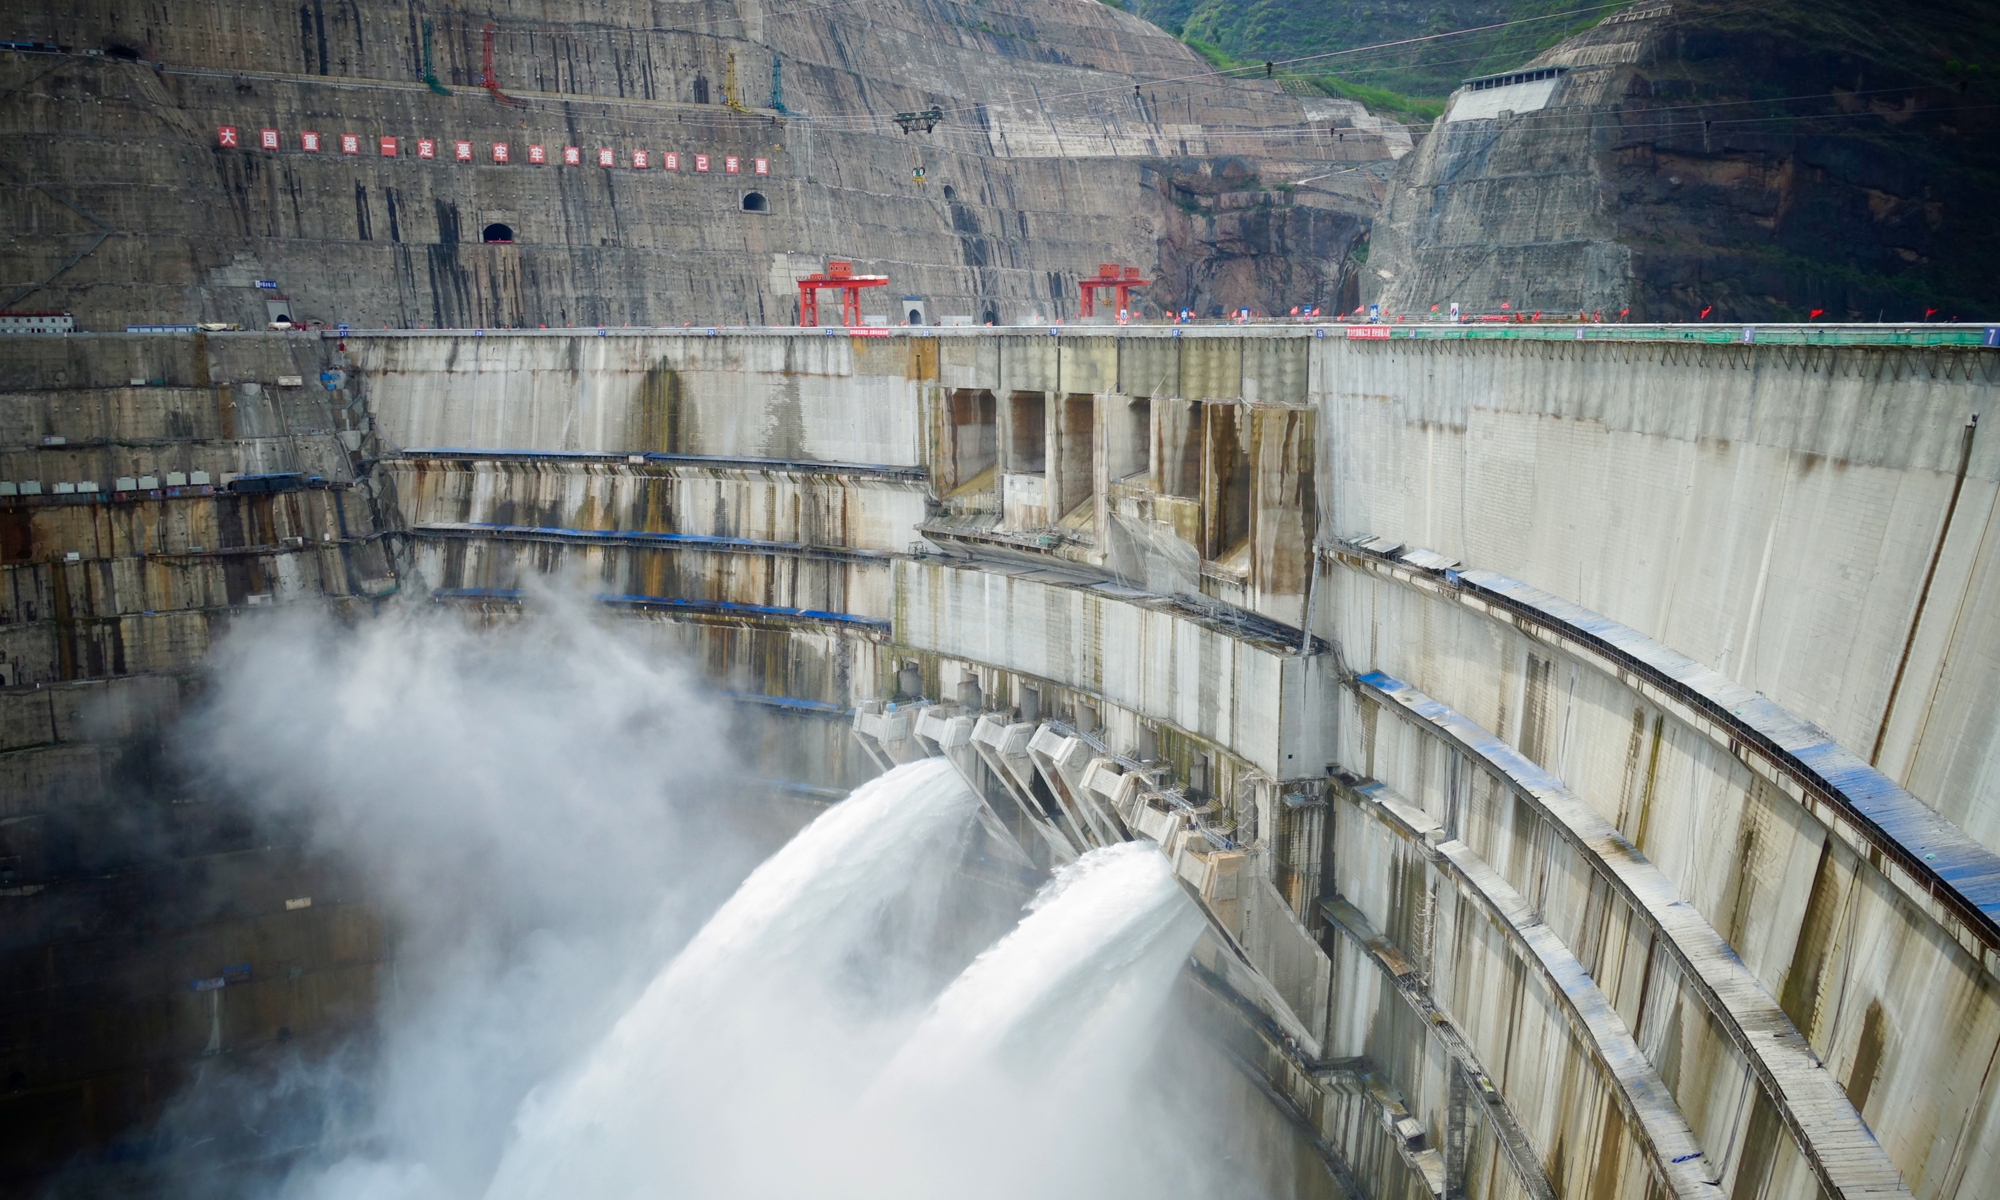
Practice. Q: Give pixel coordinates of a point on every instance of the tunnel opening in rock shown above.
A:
(497, 233)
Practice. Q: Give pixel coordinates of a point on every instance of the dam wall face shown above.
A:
(146, 924)
(1579, 746)
(1528, 675)
(1815, 524)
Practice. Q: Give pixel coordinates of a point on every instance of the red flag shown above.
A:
(1622, 312)
(1814, 314)
(1928, 312)
(1706, 311)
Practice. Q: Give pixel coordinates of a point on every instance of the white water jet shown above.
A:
(765, 1025)
(754, 1066)
(1037, 1046)
(1095, 955)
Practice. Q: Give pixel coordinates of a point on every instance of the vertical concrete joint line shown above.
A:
(1454, 1136)
(1924, 592)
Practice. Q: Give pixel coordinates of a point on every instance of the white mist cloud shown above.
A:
(543, 814)
(546, 814)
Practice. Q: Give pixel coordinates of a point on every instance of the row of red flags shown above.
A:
(229, 136)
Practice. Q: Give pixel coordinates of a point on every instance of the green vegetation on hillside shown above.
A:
(1407, 82)
(1380, 100)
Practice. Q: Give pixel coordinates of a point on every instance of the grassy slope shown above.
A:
(1406, 82)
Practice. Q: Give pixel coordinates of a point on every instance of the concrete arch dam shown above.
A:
(1581, 749)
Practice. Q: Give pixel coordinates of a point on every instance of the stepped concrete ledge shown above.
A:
(1673, 1150)
(1830, 1134)
(653, 458)
(638, 537)
(1940, 867)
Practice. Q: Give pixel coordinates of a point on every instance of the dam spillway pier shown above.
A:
(1577, 741)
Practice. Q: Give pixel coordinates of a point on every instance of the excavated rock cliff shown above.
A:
(1691, 159)
(1063, 124)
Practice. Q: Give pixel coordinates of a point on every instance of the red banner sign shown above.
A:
(1367, 332)
(350, 143)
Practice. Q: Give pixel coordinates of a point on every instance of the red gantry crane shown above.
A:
(841, 276)
(1110, 275)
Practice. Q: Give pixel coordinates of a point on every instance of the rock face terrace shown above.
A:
(1582, 749)
(144, 190)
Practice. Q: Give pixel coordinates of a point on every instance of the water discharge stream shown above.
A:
(824, 1035)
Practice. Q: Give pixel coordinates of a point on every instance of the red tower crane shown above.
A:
(839, 276)
(1110, 275)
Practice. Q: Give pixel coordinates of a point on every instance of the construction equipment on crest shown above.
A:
(839, 277)
(1123, 281)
